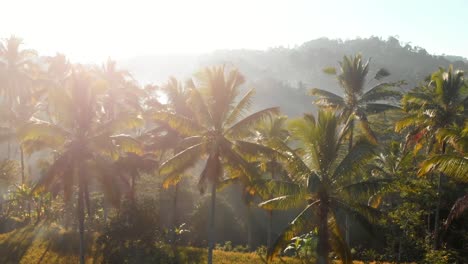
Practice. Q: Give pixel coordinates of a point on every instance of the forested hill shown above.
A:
(282, 76)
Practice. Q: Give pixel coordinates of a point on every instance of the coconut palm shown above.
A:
(358, 102)
(166, 140)
(324, 184)
(453, 164)
(84, 146)
(438, 105)
(266, 132)
(16, 64)
(16, 89)
(123, 94)
(215, 131)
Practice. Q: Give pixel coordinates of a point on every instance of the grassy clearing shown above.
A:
(40, 244)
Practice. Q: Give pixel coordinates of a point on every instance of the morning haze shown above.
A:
(233, 132)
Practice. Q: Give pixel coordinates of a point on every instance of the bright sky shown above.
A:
(92, 30)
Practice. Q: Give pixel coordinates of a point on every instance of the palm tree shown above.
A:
(453, 164)
(165, 139)
(214, 131)
(123, 94)
(266, 132)
(17, 65)
(324, 184)
(439, 104)
(85, 146)
(357, 103)
(16, 76)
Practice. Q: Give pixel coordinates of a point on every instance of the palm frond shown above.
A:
(375, 108)
(381, 92)
(327, 99)
(255, 152)
(285, 202)
(304, 221)
(239, 110)
(458, 208)
(337, 242)
(452, 165)
(181, 124)
(357, 157)
(245, 126)
(183, 160)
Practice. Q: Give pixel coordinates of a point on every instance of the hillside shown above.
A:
(280, 73)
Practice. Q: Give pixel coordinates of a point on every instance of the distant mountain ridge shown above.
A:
(282, 76)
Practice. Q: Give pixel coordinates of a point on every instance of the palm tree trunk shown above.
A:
(104, 209)
(437, 212)
(22, 164)
(270, 228)
(174, 223)
(249, 227)
(350, 146)
(211, 236)
(81, 222)
(174, 205)
(323, 248)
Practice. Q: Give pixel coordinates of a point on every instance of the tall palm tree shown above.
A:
(324, 184)
(123, 94)
(17, 65)
(167, 139)
(85, 146)
(16, 77)
(453, 163)
(213, 132)
(358, 103)
(439, 104)
(266, 132)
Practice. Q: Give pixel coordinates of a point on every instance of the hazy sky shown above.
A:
(92, 30)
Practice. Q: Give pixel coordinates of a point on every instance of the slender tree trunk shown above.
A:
(270, 228)
(22, 165)
(81, 217)
(347, 229)
(400, 248)
(437, 212)
(323, 247)
(249, 227)
(351, 132)
(8, 148)
(104, 209)
(211, 237)
(350, 146)
(174, 223)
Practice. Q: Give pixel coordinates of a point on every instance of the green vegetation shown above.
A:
(97, 168)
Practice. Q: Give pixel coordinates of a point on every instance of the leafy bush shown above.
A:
(133, 237)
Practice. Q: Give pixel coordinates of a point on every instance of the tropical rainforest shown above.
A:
(329, 152)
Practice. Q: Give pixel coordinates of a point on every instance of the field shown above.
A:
(53, 245)
(40, 244)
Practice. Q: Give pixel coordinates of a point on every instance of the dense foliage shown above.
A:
(374, 172)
